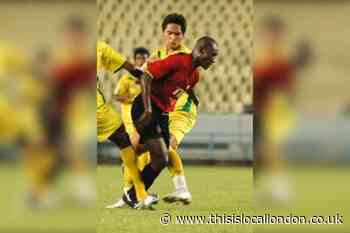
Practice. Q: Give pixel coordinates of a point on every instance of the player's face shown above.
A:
(140, 59)
(208, 56)
(173, 36)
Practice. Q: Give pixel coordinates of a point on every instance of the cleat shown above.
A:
(179, 196)
(118, 204)
(148, 202)
(128, 201)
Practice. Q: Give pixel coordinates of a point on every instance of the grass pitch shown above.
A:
(215, 190)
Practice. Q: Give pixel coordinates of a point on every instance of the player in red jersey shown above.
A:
(275, 81)
(72, 71)
(164, 81)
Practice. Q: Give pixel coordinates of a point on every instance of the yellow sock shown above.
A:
(127, 179)
(129, 159)
(175, 163)
(143, 160)
(39, 163)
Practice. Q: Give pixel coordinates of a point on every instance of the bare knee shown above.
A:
(159, 161)
(173, 142)
(158, 152)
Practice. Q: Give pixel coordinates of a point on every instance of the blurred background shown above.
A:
(223, 131)
(302, 144)
(47, 147)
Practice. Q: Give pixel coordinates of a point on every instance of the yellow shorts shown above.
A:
(127, 119)
(108, 119)
(278, 120)
(180, 123)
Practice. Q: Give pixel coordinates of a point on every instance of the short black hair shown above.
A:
(205, 41)
(141, 50)
(176, 19)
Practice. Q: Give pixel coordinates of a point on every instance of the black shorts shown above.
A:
(158, 127)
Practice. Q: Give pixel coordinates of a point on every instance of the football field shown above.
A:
(215, 189)
(316, 190)
(65, 216)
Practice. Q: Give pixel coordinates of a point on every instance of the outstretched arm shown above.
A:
(132, 69)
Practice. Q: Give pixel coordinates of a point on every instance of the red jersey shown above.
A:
(278, 75)
(68, 78)
(171, 77)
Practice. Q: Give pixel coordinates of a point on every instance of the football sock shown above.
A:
(129, 159)
(148, 175)
(175, 163)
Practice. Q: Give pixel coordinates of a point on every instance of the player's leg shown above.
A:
(110, 121)
(175, 162)
(180, 123)
(43, 160)
(129, 158)
(181, 192)
(156, 138)
(143, 160)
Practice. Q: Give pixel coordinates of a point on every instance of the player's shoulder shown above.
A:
(102, 44)
(157, 54)
(184, 57)
(185, 50)
(104, 48)
(161, 53)
(180, 60)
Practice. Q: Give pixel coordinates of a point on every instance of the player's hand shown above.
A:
(144, 120)
(135, 142)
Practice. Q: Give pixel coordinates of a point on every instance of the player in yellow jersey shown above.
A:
(181, 121)
(109, 123)
(128, 88)
(183, 118)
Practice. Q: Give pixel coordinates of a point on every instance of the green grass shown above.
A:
(215, 190)
(316, 191)
(15, 218)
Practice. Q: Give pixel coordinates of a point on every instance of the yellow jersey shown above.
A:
(108, 120)
(128, 87)
(18, 90)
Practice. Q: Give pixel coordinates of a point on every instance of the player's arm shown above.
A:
(154, 71)
(111, 60)
(131, 68)
(193, 96)
(146, 85)
(122, 91)
(190, 91)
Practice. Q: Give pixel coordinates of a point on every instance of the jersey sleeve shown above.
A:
(194, 79)
(160, 68)
(123, 86)
(108, 58)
